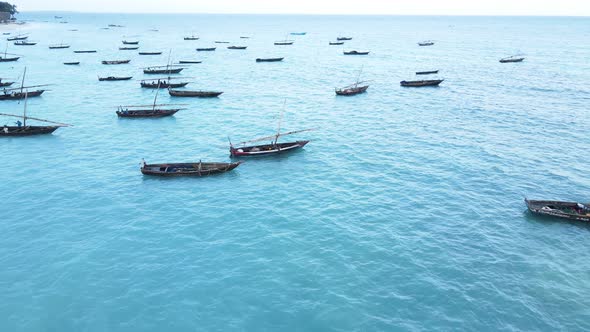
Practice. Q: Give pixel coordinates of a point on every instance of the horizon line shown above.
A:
(302, 14)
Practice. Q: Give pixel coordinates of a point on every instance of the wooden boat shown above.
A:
(512, 59)
(206, 49)
(244, 37)
(85, 51)
(559, 209)
(353, 89)
(8, 59)
(22, 129)
(189, 61)
(353, 52)
(19, 37)
(420, 83)
(115, 26)
(198, 94)
(237, 47)
(24, 43)
(150, 53)
(126, 42)
(343, 38)
(284, 42)
(58, 46)
(115, 78)
(221, 42)
(5, 84)
(187, 169)
(298, 33)
(162, 83)
(191, 38)
(72, 63)
(156, 112)
(426, 43)
(128, 48)
(162, 70)
(429, 72)
(245, 150)
(17, 95)
(269, 59)
(115, 62)
(337, 43)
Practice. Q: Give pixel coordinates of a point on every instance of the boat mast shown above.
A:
(22, 84)
(358, 78)
(280, 121)
(25, 110)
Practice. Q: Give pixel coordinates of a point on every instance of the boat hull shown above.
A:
(134, 114)
(188, 169)
(352, 91)
(268, 149)
(20, 95)
(163, 85)
(195, 94)
(115, 78)
(269, 59)
(14, 131)
(162, 71)
(559, 209)
(417, 84)
(9, 59)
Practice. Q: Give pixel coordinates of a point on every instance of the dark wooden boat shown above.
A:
(85, 51)
(221, 42)
(163, 83)
(24, 43)
(128, 48)
(237, 47)
(429, 72)
(162, 70)
(60, 46)
(245, 150)
(17, 95)
(5, 84)
(8, 59)
(559, 209)
(512, 59)
(198, 94)
(191, 38)
(269, 59)
(115, 26)
(343, 38)
(284, 42)
(125, 42)
(189, 61)
(145, 113)
(115, 62)
(421, 83)
(150, 53)
(19, 37)
(266, 149)
(115, 78)
(206, 49)
(337, 43)
(352, 90)
(187, 169)
(353, 52)
(72, 63)
(426, 43)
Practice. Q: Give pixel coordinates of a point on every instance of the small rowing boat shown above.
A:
(269, 59)
(115, 62)
(197, 94)
(560, 209)
(421, 83)
(115, 78)
(187, 169)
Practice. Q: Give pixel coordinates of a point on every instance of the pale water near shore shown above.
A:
(405, 212)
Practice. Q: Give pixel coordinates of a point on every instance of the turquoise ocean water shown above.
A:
(405, 212)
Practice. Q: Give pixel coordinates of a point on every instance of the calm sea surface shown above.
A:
(405, 212)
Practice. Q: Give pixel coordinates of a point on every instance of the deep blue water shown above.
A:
(405, 212)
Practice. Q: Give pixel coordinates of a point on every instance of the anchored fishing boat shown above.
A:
(354, 52)
(58, 46)
(298, 33)
(168, 69)
(132, 48)
(206, 49)
(189, 62)
(198, 93)
(343, 38)
(193, 37)
(24, 43)
(85, 51)
(353, 89)
(72, 63)
(17, 37)
(429, 72)
(162, 83)
(514, 58)
(420, 83)
(426, 43)
(150, 53)
(187, 169)
(337, 43)
(237, 47)
(244, 149)
(5, 84)
(115, 78)
(560, 209)
(284, 42)
(147, 111)
(115, 62)
(22, 91)
(269, 59)
(126, 42)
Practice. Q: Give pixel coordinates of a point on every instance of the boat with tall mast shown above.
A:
(6, 57)
(162, 83)
(22, 129)
(5, 83)
(20, 92)
(154, 111)
(244, 149)
(353, 89)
